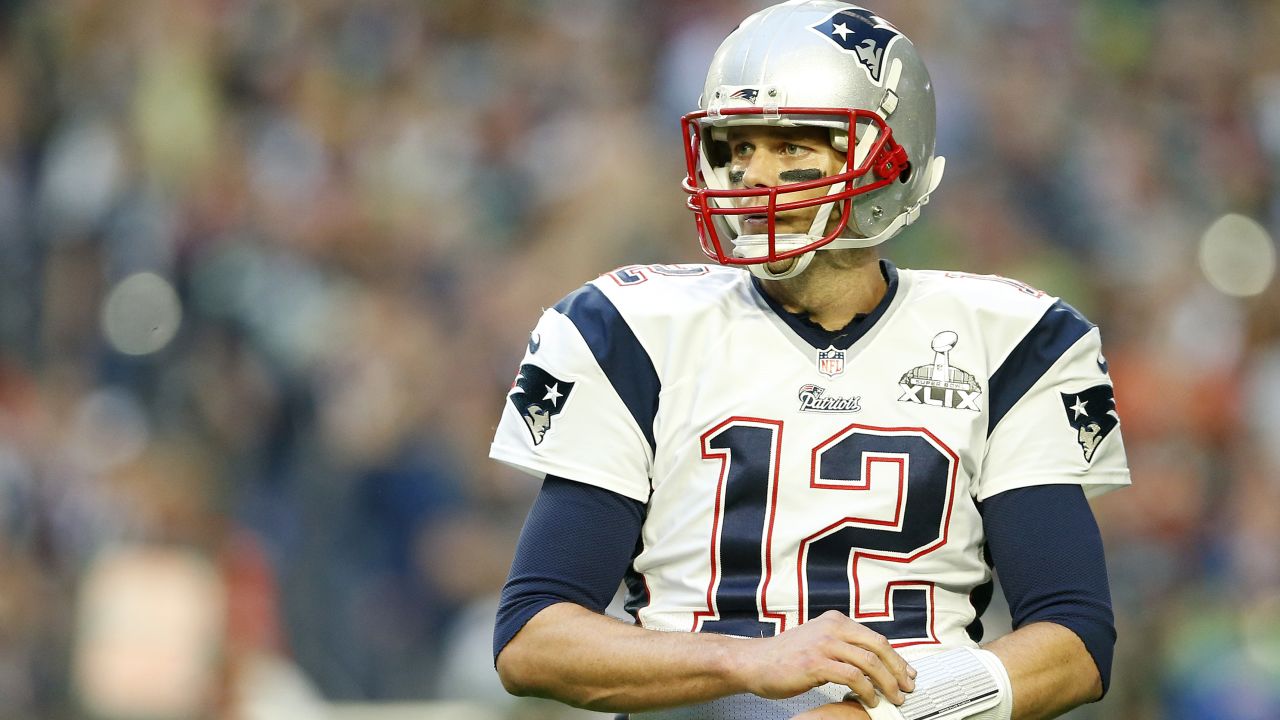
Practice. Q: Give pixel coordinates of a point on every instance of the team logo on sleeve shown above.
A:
(940, 383)
(1092, 413)
(538, 396)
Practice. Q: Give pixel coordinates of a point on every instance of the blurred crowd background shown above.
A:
(267, 267)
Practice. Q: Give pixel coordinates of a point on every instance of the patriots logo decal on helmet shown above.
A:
(538, 396)
(748, 94)
(862, 33)
(1092, 412)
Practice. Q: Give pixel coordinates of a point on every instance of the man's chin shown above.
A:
(781, 266)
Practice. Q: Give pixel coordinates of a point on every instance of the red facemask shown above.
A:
(886, 160)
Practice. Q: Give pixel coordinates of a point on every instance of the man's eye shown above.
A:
(793, 149)
(742, 149)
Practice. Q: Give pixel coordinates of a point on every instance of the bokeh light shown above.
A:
(141, 315)
(1237, 256)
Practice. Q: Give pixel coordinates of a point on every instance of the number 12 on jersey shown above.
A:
(827, 559)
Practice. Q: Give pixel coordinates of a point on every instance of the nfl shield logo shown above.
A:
(831, 361)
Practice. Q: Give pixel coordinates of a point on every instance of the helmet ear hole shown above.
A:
(905, 175)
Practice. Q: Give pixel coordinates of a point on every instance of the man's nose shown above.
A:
(761, 171)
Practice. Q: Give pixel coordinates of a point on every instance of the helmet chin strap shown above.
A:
(816, 233)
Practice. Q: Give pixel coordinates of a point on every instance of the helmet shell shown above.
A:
(830, 54)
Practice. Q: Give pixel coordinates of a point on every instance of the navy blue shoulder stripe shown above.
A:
(1058, 329)
(616, 349)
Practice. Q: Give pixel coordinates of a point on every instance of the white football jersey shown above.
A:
(789, 471)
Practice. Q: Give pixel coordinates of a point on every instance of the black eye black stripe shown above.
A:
(803, 175)
(790, 176)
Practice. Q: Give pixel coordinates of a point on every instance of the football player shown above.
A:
(804, 462)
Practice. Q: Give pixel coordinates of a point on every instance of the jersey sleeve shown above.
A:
(566, 415)
(1045, 544)
(1053, 417)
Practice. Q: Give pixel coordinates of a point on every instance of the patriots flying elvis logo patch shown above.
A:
(538, 396)
(1092, 412)
(862, 33)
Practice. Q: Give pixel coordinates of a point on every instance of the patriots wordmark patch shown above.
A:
(538, 396)
(1092, 413)
(814, 398)
(940, 383)
(862, 33)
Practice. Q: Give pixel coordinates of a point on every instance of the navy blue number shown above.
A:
(924, 473)
(748, 449)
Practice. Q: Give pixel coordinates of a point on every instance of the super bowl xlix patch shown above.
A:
(940, 383)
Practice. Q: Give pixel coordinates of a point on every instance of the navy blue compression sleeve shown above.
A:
(577, 544)
(1046, 548)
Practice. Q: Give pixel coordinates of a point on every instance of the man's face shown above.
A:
(763, 156)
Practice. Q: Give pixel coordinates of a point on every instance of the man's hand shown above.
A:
(830, 648)
(835, 711)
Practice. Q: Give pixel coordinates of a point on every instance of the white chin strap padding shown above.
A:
(818, 228)
(718, 179)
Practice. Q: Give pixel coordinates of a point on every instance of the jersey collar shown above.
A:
(821, 338)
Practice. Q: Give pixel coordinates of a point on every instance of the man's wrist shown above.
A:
(965, 683)
(731, 660)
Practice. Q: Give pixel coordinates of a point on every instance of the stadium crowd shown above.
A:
(267, 266)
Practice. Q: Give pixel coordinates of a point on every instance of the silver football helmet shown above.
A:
(814, 63)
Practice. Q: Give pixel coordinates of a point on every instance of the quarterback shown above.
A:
(805, 463)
